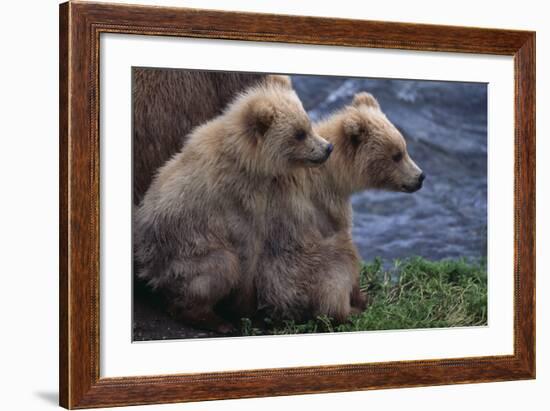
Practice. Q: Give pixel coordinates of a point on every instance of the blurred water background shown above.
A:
(445, 125)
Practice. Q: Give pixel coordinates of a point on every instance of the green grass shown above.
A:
(415, 293)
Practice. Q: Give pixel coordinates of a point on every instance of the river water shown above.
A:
(445, 125)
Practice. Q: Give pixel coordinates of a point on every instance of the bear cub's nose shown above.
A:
(329, 149)
(422, 177)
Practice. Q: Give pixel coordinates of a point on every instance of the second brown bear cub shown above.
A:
(310, 266)
(200, 227)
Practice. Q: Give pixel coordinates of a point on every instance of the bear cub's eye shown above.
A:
(397, 157)
(300, 135)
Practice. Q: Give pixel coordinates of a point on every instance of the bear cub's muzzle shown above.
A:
(417, 186)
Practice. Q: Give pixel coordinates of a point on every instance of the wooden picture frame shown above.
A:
(80, 27)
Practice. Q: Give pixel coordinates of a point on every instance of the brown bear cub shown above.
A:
(200, 227)
(310, 266)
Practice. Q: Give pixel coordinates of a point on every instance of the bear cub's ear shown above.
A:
(354, 128)
(365, 99)
(261, 114)
(279, 80)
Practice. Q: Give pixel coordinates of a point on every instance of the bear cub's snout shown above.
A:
(417, 186)
(328, 149)
(321, 150)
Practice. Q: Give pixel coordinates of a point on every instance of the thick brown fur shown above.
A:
(309, 266)
(167, 105)
(200, 227)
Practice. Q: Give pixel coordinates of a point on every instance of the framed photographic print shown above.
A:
(258, 205)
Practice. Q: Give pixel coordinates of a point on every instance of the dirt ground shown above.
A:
(151, 322)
